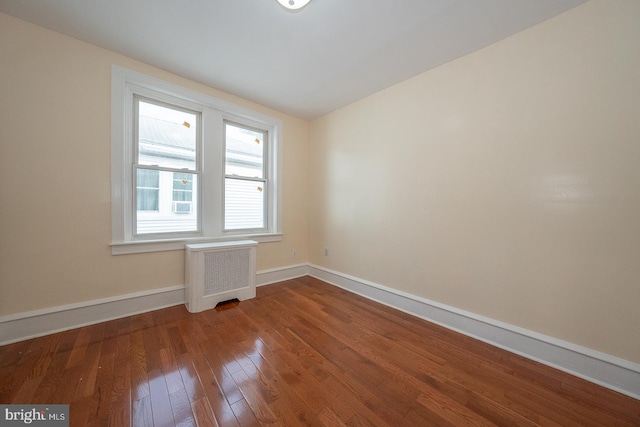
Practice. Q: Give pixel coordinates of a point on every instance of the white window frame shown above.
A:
(125, 84)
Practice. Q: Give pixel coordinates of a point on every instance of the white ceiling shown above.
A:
(307, 63)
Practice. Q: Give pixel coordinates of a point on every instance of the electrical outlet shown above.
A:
(326, 251)
(293, 253)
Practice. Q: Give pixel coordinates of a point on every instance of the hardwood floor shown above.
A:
(302, 353)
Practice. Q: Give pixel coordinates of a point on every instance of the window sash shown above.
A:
(252, 213)
(162, 225)
(246, 150)
(167, 143)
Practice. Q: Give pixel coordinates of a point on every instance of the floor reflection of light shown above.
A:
(140, 390)
(190, 381)
(259, 349)
(249, 361)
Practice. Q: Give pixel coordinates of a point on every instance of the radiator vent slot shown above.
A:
(225, 270)
(216, 272)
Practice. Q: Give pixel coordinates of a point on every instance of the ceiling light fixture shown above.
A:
(294, 4)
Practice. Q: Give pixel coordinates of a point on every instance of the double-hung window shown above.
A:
(188, 167)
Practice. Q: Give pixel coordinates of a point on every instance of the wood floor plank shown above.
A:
(330, 419)
(121, 395)
(287, 405)
(119, 417)
(496, 413)
(80, 410)
(160, 403)
(99, 403)
(45, 357)
(254, 398)
(138, 364)
(421, 415)
(451, 410)
(244, 414)
(171, 370)
(181, 408)
(51, 378)
(362, 394)
(302, 352)
(79, 347)
(358, 403)
(190, 380)
(88, 372)
(203, 414)
(306, 386)
(221, 372)
(142, 415)
(69, 381)
(27, 390)
(601, 399)
(214, 392)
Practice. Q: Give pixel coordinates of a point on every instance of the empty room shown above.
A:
(327, 213)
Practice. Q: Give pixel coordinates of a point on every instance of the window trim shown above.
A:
(124, 84)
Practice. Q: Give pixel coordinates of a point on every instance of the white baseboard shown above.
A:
(600, 368)
(274, 275)
(603, 369)
(32, 324)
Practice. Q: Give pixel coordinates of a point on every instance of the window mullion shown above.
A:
(212, 166)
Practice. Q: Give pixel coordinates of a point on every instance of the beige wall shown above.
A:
(505, 183)
(55, 224)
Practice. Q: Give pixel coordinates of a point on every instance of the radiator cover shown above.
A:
(216, 272)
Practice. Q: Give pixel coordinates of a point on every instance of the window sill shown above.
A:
(143, 246)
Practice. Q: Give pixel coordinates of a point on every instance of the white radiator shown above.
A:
(216, 272)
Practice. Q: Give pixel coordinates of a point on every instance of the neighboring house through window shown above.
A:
(187, 167)
(182, 193)
(148, 190)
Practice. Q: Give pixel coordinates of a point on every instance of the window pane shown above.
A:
(148, 178)
(147, 190)
(147, 200)
(182, 187)
(182, 181)
(182, 196)
(244, 154)
(176, 201)
(244, 204)
(166, 136)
